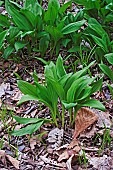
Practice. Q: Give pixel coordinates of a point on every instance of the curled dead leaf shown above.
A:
(85, 117)
(14, 161)
(2, 157)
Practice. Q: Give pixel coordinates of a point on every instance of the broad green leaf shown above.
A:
(30, 129)
(68, 105)
(55, 33)
(4, 21)
(100, 42)
(84, 94)
(27, 88)
(76, 75)
(73, 88)
(96, 86)
(7, 52)
(83, 85)
(21, 21)
(13, 32)
(29, 16)
(107, 71)
(64, 79)
(94, 24)
(1, 2)
(60, 68)
(94, 104)
(64, 7)
(54, 3)
(29, 33)
(26, 121)
(33, 6)
(2, 37)
(50, 71)
(26, 98)
(72, 27)
(20, 45)
(58, 88)
(43, 44)
(109, 58)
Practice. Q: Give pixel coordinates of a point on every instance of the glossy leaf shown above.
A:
(27, 88)
(72, 27)
(107, 71)
(7, 52)
(30, 129)
(2, 37)
(26, 121)
(109, 58)
(94, 104)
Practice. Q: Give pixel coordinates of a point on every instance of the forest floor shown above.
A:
(50, 148)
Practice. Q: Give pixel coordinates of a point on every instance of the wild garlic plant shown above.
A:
(72, 90)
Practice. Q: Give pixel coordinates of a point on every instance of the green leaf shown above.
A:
(30, 129)
(13, 32)
(109, 58)
(64, 7)
(33, 6)
(4, 21)
(95, 104)
(107, 71)
(7, 52)
(60, 68)
(96, 86)
(94, 25)
(20, 45)
(26, 121)
(26, 98)
(43, 44)
(83, 85)
(72, 27)
(68, 105)
(20, 19)
(100, 42)
(76, 75)
(2, 37)
(27, 88)
(73, 88)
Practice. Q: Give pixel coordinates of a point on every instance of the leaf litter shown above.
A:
(56, 153)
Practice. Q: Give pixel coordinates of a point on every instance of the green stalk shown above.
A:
(54, 118)
(70, 116)
(63, 117)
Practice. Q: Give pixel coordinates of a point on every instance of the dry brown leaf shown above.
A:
(69, 161)
(72, 149)
(14, 161)
(2, 157)
(33, 142)
(52, 162)
(85, 117)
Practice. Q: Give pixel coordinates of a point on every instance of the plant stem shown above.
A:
(63, 112)
(70, 116)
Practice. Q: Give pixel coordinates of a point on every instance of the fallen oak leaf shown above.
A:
(85, 117)
(14, 161)
(2, 157)
(72, 149)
